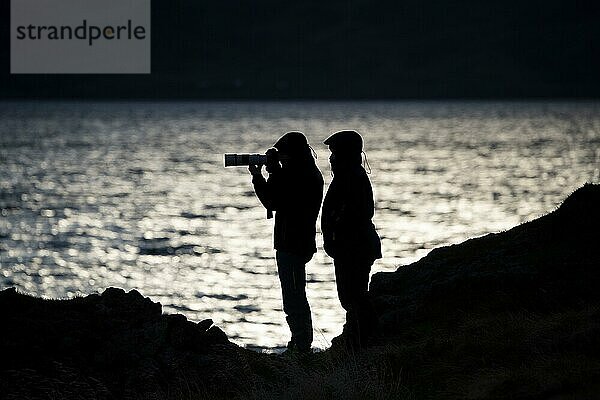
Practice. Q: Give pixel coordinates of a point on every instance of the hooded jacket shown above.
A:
(348, 231)
(295, 193)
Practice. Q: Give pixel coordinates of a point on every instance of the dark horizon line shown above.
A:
(141, 99)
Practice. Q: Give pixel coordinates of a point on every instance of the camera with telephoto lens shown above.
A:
(241, 159)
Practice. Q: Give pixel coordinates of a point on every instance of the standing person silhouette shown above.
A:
(294, 190)
(349, 235)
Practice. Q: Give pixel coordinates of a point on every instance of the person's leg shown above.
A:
(348, 290)
(352, 280)
(292, 276)
(367, 320)
(343, 282)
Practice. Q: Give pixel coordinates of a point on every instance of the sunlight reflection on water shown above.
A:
(135, 194)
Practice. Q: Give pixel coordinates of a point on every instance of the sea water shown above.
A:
(135, 195)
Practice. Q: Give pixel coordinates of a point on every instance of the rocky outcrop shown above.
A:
(113, 345)
(546, 264)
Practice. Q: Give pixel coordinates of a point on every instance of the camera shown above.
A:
(242, 159)
(237, 160)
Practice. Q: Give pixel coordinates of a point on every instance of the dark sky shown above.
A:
(349, 49)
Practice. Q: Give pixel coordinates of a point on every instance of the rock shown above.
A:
(217, 334)
(205, 324)
(117, 344)
(542, 264)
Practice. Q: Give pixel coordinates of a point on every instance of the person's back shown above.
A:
(346, 221)
(297, 205)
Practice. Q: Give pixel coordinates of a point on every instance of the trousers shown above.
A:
(292, 276)
(352, 280)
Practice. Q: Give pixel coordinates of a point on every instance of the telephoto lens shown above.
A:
(237, 160)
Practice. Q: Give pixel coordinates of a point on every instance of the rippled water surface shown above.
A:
(135, 194)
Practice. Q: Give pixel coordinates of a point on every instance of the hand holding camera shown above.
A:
(272, 163)
(255, 169)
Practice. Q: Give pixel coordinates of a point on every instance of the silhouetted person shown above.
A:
(294, 192)
(348, 233)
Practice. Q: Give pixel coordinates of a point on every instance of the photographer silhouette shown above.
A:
(293, 191)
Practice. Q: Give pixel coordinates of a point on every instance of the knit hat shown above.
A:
(292, 143)
(347, 142)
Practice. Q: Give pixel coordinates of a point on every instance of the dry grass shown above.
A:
(509, 355)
